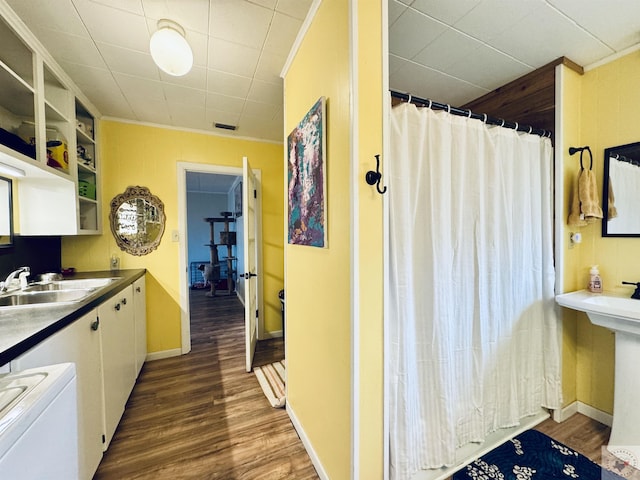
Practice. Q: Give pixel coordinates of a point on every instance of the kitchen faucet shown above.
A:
(636, 294)
(24, 273)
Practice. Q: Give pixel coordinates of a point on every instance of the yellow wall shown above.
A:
(371, 368)
(609, 98)
(147, 156)
(318, 279)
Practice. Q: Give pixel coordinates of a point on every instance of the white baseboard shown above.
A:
(587, 410)
(307, 444)
(274, 334)
(176, 352)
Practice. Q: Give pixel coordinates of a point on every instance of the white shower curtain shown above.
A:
(474, 344)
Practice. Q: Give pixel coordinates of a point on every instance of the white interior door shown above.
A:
(250, 194)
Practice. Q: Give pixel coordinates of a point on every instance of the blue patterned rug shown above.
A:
(533, 455)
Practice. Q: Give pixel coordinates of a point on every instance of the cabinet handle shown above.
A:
(138, 289)
(117, 307)
(124, 301)
(95, 325)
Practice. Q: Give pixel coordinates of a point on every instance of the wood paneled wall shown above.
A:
(529, 100)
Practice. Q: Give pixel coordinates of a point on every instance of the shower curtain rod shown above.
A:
(405, 97)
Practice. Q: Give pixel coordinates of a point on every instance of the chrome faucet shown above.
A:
(22, 271)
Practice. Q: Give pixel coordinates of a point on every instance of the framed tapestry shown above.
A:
(307, 168)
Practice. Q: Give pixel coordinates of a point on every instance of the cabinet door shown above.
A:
(140, 317)
(78, 343)
(118, 356)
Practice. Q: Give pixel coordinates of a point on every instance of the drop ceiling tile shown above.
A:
(224, 103)
(395, 10)
(189, 14)
(196, 78)
(412, 32)
(447, 12)
(492, 17)
(282, 34)
(70, 48)
(130, 62)
(131, 6)
(260, 110)
(240, 22)
(550, 33)
(605, 20)
(446, 50)
(227, 84)
(294, 8)
(114, 26)
(266, 92)
(140, 88)
(423, 82)
(480, 66)
(395, 63)
(270, 4)
(176, 94)
(270, 66)
(232, 57)
(188, 116)
(152, 112)
(37, 13)
(216, 116)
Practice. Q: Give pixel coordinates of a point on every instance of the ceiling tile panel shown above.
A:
(189, 14)
(196, 78)
(227, 84)
(395, 10)
(177, 94)
(447, 12)
(188, 116)
(282, 34)
(446, 50)
(140, 89)
(232, 57)
(223, 103)
(130, 62)
(269, 67)
(114, 26)
(240, 22)
(294, 8)
(152, 112)
(40, 14)
(71, 48)
(131, 6)
(266, 93)
(217, 116)
(412, 32)
(260, 110)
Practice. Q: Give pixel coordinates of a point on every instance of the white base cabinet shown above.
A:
(78, 343)
(118, 356)
(105, 346)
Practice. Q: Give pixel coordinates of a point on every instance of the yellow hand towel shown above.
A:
(576, 219)
(612, 211)
(588, 193)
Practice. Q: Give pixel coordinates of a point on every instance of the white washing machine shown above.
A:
(39, 424)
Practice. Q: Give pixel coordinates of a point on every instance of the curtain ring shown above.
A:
(469, 113)
(530, 129)
(502, 124)
(430, 103)
(448, 108)
(409, 99)
(516, 129)
(484, 118)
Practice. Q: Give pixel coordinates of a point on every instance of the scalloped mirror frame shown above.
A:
(135, 242)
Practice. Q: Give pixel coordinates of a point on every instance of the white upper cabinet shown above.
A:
(48, 133)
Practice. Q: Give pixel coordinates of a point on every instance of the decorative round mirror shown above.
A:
(137, 220)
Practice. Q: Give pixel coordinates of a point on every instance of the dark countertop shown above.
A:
(21, 328)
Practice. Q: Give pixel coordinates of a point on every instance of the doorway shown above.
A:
(209, 173)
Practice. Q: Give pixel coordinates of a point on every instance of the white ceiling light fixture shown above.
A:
(170, 50)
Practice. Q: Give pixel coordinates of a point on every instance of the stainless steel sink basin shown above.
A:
(61, 291)
(23, 298)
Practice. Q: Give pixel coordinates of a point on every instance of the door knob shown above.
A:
(248, 275)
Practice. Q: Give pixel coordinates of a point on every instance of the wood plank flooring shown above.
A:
(201, 416)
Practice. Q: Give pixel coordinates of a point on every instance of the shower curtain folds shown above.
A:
(473, 329)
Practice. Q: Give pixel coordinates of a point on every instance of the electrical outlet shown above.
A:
(115, 263)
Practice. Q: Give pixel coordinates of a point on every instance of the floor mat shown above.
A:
(271, 379)
(533, 455)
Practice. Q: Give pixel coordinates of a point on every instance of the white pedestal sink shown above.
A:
(622, 315)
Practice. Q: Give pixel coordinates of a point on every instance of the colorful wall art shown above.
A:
(307, 179)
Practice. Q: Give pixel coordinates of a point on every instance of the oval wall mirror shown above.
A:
(137, 220)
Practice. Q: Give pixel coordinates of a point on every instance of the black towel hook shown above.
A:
(373, 178)
(573, 150)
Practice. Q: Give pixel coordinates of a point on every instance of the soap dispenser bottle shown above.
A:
(595, 282)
